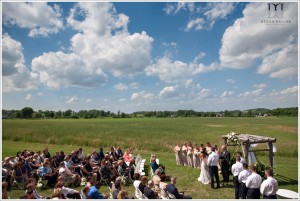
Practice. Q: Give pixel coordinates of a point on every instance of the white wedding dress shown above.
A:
(204, 175)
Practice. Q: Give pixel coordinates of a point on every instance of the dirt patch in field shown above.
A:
(215, 125)
(285, 129)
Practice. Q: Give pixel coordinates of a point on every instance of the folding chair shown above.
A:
(171, 196)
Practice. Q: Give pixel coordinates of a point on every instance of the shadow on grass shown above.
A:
(284, 181)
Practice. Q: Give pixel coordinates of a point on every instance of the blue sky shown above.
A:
(148, 56)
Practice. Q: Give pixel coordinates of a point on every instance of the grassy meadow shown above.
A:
(156, 136)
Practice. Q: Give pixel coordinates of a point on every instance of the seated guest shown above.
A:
(114, 153)
(117, 190)
(119, 152)
(148, 192)
(71, 166)
(61, 157)
(74, 157)
(68, 175)
(80, 153)
(46, 172)
(46, 153)
(142, 185)
(104, 170)
(100, 155)
(123, 195)
(94, 157)
(18, 174)
(31, 186)
(171, 188)
(153, 163)
(156, 177)
(89, 169)
(136, 178)
(4, 190)
(128, 156)
(57, 194)
(253, 183)
(94, 191)
(84, 193)
(68, 192)
(269, 187)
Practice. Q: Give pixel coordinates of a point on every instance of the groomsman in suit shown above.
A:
(225, 164)
(213, 161)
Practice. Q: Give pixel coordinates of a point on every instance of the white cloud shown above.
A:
(28, 97)
(168, 92)
(254, 93)
(58, 69)
(197, 23)
(121, 87)
(249, 40)
(230, 81)
(103, 46)
(282, 64)
(227, 94)
(205, 93)
(134, 85)
(217, 10)
(16, 76)
(199, 57)
(172, 9)
(171, 44)
(40, 94)
(41, 18)
(142, 96)
(289, 91)
(260, 86)
(122, 99)
(88, 100)
(72, 99)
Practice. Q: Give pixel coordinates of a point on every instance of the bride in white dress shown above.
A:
(204, 175)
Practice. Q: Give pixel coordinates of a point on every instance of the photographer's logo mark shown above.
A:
(275, 10)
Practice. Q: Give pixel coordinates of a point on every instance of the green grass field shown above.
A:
(156, 136)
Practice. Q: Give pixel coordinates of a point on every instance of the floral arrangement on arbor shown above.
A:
(233, 137)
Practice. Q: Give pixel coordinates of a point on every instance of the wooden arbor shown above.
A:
(246, 140)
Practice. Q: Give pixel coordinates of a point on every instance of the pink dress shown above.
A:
(190, 156)
(196, 158)
(184, 156)
(178, 155)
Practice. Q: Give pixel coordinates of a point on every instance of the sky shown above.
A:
(149, 56)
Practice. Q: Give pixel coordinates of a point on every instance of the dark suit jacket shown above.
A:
(142, 187)
(225, 158)
(171, 188)
(149, 193)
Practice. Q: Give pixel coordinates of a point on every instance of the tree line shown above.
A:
(29, 113)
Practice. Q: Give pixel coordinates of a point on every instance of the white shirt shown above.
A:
(136, 183)
(66, 191)
(269, 187)
(236, 168)
(213, 159)
(253, 181)
(244, 175)
(243, 160)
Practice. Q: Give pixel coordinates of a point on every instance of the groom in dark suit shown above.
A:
(225, 164)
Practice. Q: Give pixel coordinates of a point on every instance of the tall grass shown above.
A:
(152, 134)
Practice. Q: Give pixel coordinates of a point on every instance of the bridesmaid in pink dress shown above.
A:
(178, 154)
(184, 154)
(196, 157)
(190, 154)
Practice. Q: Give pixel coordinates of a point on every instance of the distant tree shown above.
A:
(68, 113)
(38, 115)
(27, 112)
(17, 114)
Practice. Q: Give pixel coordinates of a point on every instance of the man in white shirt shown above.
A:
(241, 156)
(269, 187)
(242, 179)
(236, 169)
(253, 183)
(213, 161)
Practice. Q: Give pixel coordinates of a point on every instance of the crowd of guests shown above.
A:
(211, 160)
(65, 172)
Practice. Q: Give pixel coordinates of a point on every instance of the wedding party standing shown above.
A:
(184, 155)
(225, 164)
(196, 158)
(242, 179)
(253, 183)
(213, 161)
(236, 169)
(178, 154)
(204, 174)
(190, 155)
(269, 187)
